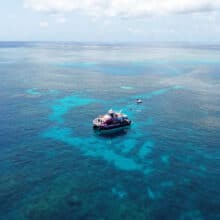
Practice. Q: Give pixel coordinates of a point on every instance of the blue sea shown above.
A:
(54, 166)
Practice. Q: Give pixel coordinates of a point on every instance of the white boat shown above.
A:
(111, 120)
(138, 101)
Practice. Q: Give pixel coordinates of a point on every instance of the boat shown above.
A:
(138, 101)
(110, 121)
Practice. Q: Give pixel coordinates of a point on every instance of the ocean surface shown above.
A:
(54, 166)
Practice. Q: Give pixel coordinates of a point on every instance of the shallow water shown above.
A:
(54, 166)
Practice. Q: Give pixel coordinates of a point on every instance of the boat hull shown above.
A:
(112, 127)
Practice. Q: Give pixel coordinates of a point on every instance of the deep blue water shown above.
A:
(53, 165)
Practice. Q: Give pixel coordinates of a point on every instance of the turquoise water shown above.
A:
(54, 166)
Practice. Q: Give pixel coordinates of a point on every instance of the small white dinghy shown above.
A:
(138, 101)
